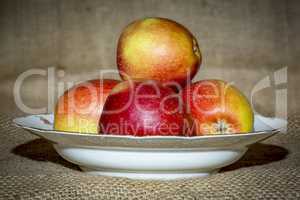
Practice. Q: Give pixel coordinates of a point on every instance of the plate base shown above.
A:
(145, 175)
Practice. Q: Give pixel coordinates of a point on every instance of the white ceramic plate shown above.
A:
(150, 157)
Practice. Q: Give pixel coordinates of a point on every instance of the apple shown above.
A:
(142, 109)
(158, 49)
(217, 107)
(79, 108)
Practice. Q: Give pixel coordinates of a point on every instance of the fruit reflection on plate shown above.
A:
(150, 157)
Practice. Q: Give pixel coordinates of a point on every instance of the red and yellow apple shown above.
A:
(142, 109)
(158, 49)
(217, 107)
(79, 108)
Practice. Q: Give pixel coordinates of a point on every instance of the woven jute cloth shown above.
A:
(31, 169)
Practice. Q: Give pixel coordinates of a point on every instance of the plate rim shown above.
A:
(131, 137)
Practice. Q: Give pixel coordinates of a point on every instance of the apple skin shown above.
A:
(217, 107)
(131, 110)
(79, 108)
(158, 49)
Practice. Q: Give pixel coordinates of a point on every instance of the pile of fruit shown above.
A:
(157, 59)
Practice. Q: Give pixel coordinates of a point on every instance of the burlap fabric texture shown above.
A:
(31, 169)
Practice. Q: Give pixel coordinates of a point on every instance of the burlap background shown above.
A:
(242, 42)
